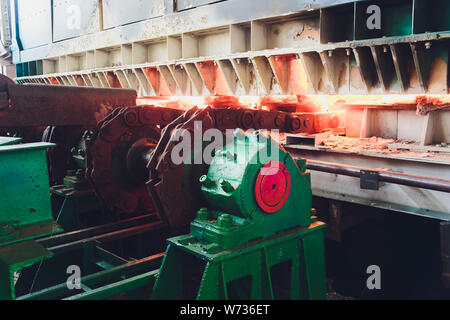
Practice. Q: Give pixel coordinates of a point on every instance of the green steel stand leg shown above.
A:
(169, 282)
(6, 283)
(297, 281)
(313, 252)
(212, 285)
(14, 258)
(266, 279)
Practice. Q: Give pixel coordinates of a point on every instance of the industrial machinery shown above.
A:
(262, 202)
(124, 164)
(258, 218)
(337, 105)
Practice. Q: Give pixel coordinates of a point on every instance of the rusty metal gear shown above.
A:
(127, 149)
(116, 157)
(175, 187)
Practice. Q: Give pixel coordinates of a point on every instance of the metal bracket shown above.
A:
(370, 180)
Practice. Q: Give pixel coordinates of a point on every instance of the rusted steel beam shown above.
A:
(50, 105)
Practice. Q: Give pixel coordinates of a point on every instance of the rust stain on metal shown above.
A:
(43, 105)
(413, 77)
(342, 75)
(355, 78)
(426, 104)
(357, 144)
(307, 33)
(377, 145)
(437, 81)
(104, 110)
(322, 87)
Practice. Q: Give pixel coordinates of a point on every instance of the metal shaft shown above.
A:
(384, 175)
(138, 158)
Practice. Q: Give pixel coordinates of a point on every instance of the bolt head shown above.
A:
(203, 214)
(5, 230)
(226, 186)
(225, 221)
(206, 181)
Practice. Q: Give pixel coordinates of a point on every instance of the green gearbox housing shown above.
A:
(249, 189)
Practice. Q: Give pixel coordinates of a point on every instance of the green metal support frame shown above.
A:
(303, 248)
(100, 268)
(101, 285)
(14, 258)
(25, 209)
(24, 189)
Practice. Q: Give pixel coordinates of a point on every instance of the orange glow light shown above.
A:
(321, 103)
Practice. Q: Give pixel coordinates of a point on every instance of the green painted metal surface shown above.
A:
(25, 205)
(24, 187)
(25, 210)
(249, 271)
(5, 141)
(229, 189)
(14, 258)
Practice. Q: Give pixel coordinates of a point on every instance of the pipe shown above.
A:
(56, 240)
(107, 237)
(384, 175)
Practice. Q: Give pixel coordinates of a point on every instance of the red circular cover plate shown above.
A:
(273, 186)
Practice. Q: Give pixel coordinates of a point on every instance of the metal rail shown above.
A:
(98, 285)
(74, 236)
(94, 280)
(383, 175)
(109, 237)
(126, 285)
